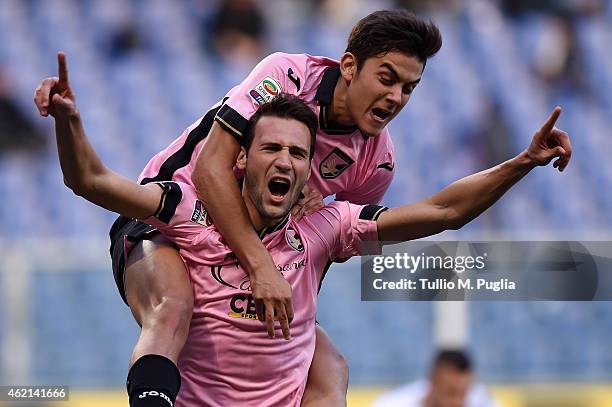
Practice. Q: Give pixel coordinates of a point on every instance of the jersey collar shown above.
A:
(325, 91)
(325, 96)
(273, 228)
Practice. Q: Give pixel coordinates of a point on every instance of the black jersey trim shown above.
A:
(325, 270)
(170, 199)
(182, 156)
(273, 228)
(232, 122)
(371, 212)
(338, 131)
(325, 96)
(325, 91)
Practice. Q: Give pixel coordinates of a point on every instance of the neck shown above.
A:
(259, 222)
(338, 112)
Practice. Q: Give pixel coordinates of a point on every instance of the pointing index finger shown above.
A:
(552, 119)
(62, 67)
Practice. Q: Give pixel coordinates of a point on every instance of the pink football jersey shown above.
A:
(354, 166)
(228, 358)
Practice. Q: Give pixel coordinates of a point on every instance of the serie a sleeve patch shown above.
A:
(265, 91)
(170, 199)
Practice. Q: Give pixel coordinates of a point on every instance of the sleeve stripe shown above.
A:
(228, 126)
(170, 199)
(162, 200)
(371, 212)
(232, 121)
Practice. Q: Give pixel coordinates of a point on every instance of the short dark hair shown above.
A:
(284, 106)
(455, 358)
(397, 30)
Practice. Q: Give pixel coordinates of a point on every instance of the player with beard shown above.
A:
(228, 359)
(354, 98)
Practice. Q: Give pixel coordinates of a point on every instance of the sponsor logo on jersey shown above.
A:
(293, 239)
(200, 215)
(242, 306)
(334, 164)
(256, 97)
(387, 166)
(296, 265)
(296, 80)
(265, 90)
(216, 273)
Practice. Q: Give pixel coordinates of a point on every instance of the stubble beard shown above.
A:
(256, 198)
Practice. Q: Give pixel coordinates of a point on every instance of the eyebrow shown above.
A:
(396, 75)
(292, 147)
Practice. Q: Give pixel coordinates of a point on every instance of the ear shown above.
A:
(242, 159)
(348, 66)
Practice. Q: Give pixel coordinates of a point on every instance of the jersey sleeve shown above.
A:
(269, 78)
(168, 163)
(377, 176)
(179, 213)
(346, 230)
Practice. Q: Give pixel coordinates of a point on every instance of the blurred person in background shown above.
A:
(451, 383)
(557, 59)
(17, 132)
(237, 31)
(126, 40)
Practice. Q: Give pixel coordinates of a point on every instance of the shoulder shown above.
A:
(283, 59)
(325, 219)
(336, 209)
(300, 59)
(302, 65)
(326, 216)
(332, 216)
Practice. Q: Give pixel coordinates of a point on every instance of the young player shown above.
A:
(227, 359)
(354, 98)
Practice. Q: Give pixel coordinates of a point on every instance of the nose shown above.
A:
(283, 160)
(395, 95)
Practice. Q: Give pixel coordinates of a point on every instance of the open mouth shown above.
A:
(381, 114)
(279, 187)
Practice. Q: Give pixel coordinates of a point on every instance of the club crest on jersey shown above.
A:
(334, 164)
(200, 215)
(265, 90)
(293, 239)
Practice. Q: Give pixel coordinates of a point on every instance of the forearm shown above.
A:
(86, 175)
(79, 162)
(214, 179)
(230, 216)
(468, 197)
(455, 205)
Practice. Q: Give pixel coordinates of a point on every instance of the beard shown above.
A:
(257, 199)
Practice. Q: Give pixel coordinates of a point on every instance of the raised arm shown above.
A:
(83, 170)
(467, 198)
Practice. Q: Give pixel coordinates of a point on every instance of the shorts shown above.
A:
(124, 235)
